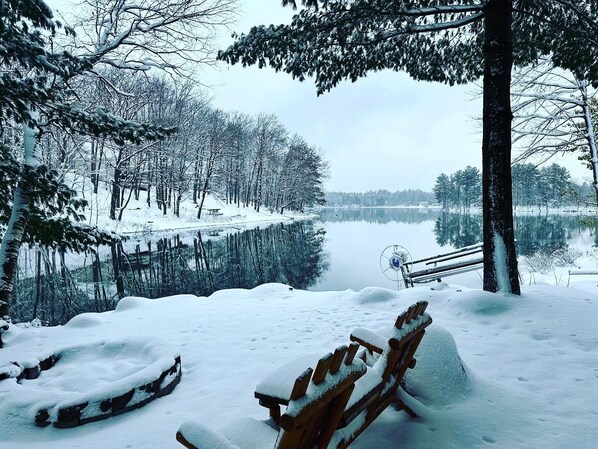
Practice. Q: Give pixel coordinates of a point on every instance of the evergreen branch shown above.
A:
(441, 26)
(583, 15)
(562, 27)
(440, 9)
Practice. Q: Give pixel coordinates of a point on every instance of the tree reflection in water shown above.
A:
(199, 264)
(544, 234)
(293, 254)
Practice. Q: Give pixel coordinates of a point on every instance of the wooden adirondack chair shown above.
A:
(322, 405)
(316, 404)
(388, 366)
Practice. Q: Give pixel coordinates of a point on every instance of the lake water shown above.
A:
(340, 250)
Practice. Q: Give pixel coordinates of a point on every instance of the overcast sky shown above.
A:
(385, 131)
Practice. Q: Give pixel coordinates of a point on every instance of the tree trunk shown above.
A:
(115, 198)
(500, 259)
(204, 191)
(116, 252)
(17, 223)
(97, 154)
(590, 136)
(177, 203)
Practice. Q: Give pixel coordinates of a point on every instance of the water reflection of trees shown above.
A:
(458, 230)
(48, 290)
(379, 215)
(544, 233)
(203, 263)
(200, 264)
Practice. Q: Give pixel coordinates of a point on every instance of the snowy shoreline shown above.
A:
(140, 219)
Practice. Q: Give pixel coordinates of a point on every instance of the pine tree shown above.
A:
(450, 41)
(472, 187)
(442, 189)
(36, 206)
(525, 185)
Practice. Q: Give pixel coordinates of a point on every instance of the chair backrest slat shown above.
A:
(301, 384)
(316, 408)
(322, 369)
(337, 358)
(400, 320)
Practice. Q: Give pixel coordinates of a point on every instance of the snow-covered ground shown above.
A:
(527, 378)
(140, 219)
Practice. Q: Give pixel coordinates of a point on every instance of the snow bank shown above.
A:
(440, 377)
(494, 370)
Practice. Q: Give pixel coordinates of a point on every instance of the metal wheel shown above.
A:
(392, 263)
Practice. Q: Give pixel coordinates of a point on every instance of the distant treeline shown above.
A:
(379, 198)
(379, 215)
(548, 186)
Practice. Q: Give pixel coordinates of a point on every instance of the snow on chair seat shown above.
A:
(245, 432)
(315, 403)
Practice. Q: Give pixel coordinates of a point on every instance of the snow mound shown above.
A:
(371, 295)
(130, 303)
(481, 303)
(85, 320)
(438, 286)
(271, 289)
(440, 377)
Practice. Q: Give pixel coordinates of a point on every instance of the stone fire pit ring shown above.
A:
(81, 384)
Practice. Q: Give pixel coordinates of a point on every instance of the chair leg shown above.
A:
(335, 412)
(181, 439)
(400, 405)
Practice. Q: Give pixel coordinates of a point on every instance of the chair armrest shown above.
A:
(193, 435)
(369, 339)
(277, 387)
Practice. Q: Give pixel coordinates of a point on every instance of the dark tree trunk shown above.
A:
(96, 162)
(115, 198)
(116, 252)
(500, 259)
(38, 281)
(204, 191)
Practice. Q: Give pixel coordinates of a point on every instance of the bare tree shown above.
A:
(214, 149)
(301, 173)
(190, 113)
(270, 138)
(235, 158)
(171, 35)
(552, 115)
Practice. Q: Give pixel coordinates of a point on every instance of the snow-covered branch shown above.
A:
(551, 113)
(441, 9)
(153, 34)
